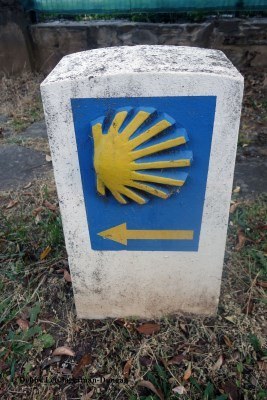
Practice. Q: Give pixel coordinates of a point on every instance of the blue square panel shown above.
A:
(144, 163)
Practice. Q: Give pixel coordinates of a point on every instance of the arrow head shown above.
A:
(118, 234)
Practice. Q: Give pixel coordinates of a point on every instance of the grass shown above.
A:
(223, 357)
(21, 100)
(188, 357)
(254, 112)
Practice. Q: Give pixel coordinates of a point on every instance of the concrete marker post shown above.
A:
(143, 142)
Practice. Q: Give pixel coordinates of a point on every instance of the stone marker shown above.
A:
(143, 142)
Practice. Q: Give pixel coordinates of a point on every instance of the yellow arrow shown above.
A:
(121, 234)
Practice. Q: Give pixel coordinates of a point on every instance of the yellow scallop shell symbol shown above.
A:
(138, 153)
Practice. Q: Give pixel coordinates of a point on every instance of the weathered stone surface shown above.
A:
(19, 165)
(125, 281)
(3, 119)
(15, 49)
(251, 176)
(146, 36)
(243, 41)
(36, 130)
(56, 43)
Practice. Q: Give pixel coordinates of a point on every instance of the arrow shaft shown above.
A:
(160, 234)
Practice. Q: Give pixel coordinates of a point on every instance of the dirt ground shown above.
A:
(46, 352)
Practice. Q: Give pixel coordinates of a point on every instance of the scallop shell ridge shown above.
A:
(139, 153)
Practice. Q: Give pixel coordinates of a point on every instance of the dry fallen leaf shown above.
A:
(37, 210)
(67, 276)
(63, 351)
(45, 253)
(241, 240)
(218, 364)
(184, 328)
(176, 359)
(261, 227)
(248, 307)
(23, 324)
(262, 284)
(230, 318)
(262, 366)
(234, 207)
(84, 362)
(27, 186)
(146, 361)
(127, 368)
(227, 341)
(187, 373)
(11, 204)
(148, 329)
(88, 395)
(151, 387)
(179, 389)
(48, 158)
(237, 189)
(50, 206)
(231, 389)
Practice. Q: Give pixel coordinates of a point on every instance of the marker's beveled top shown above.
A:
(142, 59)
